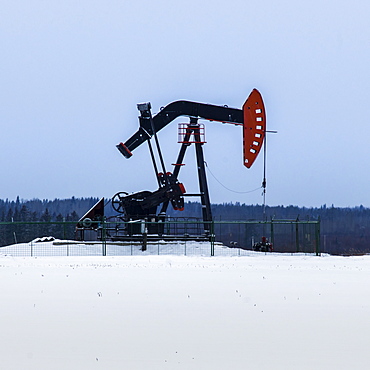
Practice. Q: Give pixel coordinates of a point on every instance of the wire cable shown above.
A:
(233, 191)
(264, 178)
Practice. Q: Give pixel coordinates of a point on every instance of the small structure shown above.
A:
(263, 246)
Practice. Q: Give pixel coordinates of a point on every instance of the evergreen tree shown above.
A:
(9, 216)
(45, 217)
(24, 213)
(59, 218)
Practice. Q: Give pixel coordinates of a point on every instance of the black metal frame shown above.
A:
(143, 205)
(150, 125)
(193, 129)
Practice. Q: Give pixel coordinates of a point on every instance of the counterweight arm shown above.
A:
(175, 110)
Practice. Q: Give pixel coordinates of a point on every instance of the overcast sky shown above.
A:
(72, 72)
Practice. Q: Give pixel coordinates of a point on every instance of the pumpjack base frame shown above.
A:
(114, 229)
(156, 238)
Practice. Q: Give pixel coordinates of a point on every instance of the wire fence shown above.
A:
(225, 238)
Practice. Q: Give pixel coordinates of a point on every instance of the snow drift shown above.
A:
(176, 312)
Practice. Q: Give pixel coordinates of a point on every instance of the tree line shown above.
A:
(44, 210)
(343, 230)
(18, 215)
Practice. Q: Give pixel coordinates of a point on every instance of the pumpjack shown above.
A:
(149, 208)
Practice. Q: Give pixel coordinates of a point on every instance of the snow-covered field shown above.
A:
(48, 246)
(260, 311)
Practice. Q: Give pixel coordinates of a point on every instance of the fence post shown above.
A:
(104, 238)
(144, 233)
(64, 229)
(317, 229)
(212, 238)
(297, 235)
(272, 232)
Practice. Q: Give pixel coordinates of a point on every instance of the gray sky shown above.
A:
(71, 74)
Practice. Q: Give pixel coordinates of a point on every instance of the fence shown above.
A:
(177, 237)
(286, 236)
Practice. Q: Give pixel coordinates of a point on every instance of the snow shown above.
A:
(49, 246)
(258, 311)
